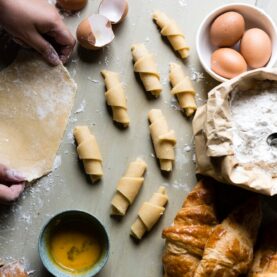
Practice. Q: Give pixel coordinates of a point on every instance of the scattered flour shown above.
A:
(182, 157)
(81, 107)
(183, 3)
(254, 116)
(178, 186)
(37, 195)
(106, 61)
(187, 148)
(194, 158)
(73, 119)
(93, 80)
(57, 162)
(197, 76)
(70, 137)
(174, 104)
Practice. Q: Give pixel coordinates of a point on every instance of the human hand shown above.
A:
(31, 22)
(11, 185)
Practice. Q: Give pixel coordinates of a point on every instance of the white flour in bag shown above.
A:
(254, 116)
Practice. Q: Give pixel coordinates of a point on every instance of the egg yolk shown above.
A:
(75, 249)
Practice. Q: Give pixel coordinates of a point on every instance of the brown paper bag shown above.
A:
(212, 128)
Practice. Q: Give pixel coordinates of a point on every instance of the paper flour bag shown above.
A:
(236, 132)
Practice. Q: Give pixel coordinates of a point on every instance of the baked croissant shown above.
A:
(265, 258)
(186, 238)
(229, 249)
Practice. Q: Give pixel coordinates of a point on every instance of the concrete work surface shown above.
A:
(67, 187)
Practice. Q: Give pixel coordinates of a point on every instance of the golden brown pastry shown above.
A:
(147, 69)
(128, 187)
(163, 139)
(229, 249)
(149, 213)
(115, 97)
(13, 269)
(173, 33)
(182, 89)
(265, 257)
(186, 238)
(89, 152)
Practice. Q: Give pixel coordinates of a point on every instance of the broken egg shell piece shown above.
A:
(114, 10)
(95, 32)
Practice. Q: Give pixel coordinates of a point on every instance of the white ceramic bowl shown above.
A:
(253, 16)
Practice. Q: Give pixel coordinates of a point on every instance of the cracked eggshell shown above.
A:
(95, 32)
(72, 5)
(114, 10)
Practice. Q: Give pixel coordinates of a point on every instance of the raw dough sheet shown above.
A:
(35, 104)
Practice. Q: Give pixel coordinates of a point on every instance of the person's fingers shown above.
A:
(64, 39)
(42, 46)
(20, 42)
(10, 194)
(8, 175)
(65, 53)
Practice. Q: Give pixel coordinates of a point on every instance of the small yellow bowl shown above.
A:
(74, 218)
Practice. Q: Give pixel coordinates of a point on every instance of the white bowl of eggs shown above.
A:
(236, 38)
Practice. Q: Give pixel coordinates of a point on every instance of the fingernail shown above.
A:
(53, 57)
(64, 58)
(15, 175)
(65, 55)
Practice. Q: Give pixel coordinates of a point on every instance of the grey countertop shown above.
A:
(69, 188)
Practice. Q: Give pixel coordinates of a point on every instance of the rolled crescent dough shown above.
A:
(35, 104)
(149, 213)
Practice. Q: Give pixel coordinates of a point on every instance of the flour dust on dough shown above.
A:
(35, 103)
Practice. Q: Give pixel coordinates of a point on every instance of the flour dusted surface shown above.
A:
(35, 104)
(254, 115)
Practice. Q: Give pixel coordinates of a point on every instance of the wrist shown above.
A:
(4, 10)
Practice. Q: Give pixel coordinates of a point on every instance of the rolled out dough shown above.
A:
(35, 103)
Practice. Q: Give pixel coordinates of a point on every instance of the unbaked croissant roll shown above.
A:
(147, 69)
(89, 152)
(115, 97)
(163, 139)
(182, 89)
(173, 33)
(192, 226)
(229, 249)
(128, 187)
(265, 258)
(149, 213)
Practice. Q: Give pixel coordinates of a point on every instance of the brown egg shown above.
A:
(114, 10)
(227, 29)
(72, 5)
(256, 47)
(228, 63)
(95, 32)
